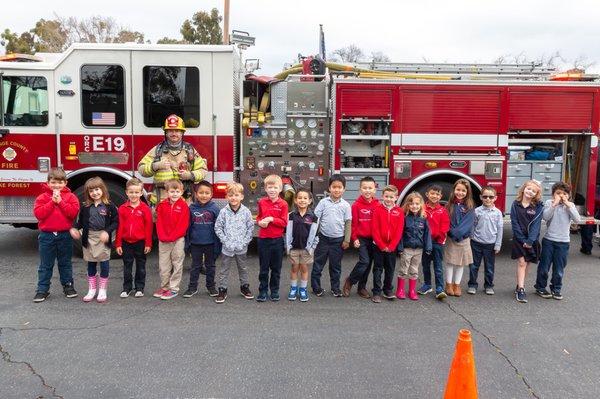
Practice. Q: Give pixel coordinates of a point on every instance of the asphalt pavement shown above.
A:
(325, 348)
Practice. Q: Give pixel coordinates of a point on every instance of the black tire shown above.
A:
(117, 196)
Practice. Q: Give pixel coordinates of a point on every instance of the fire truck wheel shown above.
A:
(421, 188)
(116, 190)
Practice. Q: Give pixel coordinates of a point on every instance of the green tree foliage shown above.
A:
(17, 43)
(168, 40)
(203, 28)
(50, 36)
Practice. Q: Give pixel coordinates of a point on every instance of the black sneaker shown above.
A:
(245, 290)
(557, 295)
(40, 296)
(212, 291)
(585, 251)
(275, 296)
(190, 293)
(336, 293)
(543, 293)
(221, 296)
(318, 291)
(521, 296)
(389, 295)
(69, 290)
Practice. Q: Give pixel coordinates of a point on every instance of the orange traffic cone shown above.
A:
(462, 379)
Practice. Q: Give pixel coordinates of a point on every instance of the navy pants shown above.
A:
(555, 253)
(360, 273)
(54, 247)
(385, 262)
(270, 257)
(202, 253)
(587, 237)
(436, 256)
(327, 248)
(485, 252)
(134, 252)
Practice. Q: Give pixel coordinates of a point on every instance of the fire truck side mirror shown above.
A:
(4, 132)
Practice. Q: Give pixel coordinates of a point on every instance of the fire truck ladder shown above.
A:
(506, 71)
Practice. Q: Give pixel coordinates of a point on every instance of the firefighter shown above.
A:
(173, 158)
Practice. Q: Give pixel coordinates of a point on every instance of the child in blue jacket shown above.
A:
(416, 239)
(526, 221)
(457, 252)
(201, 239)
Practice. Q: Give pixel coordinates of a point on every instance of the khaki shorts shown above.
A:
(300, 256)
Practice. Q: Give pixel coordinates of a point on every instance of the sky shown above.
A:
(458, 31)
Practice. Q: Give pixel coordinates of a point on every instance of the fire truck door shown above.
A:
(94, 119)
(167, 83)
(27, 139)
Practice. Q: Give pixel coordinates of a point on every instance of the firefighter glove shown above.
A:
(186, 175)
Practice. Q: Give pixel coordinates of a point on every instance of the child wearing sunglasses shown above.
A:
(486, 240)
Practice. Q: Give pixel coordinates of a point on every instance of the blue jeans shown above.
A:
(270, 257)
(385, 262)
(327, 248)
(92, 269)
(556, 253)
(487, 253)
(437, 255)
(53, 248)
(361, 270)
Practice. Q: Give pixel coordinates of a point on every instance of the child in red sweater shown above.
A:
(55, 209)
(388, 224)
(439, 224)
(362, 237)
(172, 221)
(272, 219)
(134, 237)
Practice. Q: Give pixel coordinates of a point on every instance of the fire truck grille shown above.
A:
(17, 210)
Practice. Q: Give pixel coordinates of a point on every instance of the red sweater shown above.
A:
(362, 215)
(279, 211)
(439, 222)
(55, 217)
(172, 220)
(135, 224)
(388, 225)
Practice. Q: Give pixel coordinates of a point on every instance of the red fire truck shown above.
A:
(98, 108)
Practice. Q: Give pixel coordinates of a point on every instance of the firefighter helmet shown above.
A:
(173, 122)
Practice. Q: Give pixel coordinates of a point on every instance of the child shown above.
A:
(416, 239)
(134, 237)
(486, 240)
(335, 219)
(98, 218)
(301, 241)
(235, 229)
(439, 224)
(526, 221)
(172, 221)
(202, 240)
(388, 224)
(558, 213)
(272, 219)
(457, 252)
(362, 237)
(55, 209)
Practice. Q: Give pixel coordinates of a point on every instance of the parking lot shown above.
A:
(327, 347)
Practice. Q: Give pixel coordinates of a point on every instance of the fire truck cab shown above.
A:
(97, 109)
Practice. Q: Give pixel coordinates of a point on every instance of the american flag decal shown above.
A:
(103, 118)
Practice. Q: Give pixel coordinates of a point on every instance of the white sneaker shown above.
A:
(471, 290)
(124, 294)
(139, 294)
